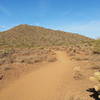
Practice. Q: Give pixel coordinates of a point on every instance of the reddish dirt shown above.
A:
(54, 81)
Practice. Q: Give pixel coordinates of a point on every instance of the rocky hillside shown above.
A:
(33, 36)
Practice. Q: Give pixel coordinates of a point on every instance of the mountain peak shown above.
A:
(28, 35)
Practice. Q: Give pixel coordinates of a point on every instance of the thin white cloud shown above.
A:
(2, 26)
(4, 10)
(91, 29)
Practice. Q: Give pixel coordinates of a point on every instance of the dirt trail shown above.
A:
(46, 83)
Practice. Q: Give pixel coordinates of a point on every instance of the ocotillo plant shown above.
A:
(96, 79)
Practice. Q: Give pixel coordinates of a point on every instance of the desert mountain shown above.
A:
(30, 36)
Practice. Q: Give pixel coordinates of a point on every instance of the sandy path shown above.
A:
(46, 83)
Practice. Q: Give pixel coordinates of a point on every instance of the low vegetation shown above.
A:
(96, 45)
(96, 79)
(28, 56)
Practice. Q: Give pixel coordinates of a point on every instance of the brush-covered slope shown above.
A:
(30, 36)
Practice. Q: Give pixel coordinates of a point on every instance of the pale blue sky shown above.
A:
(79, 16)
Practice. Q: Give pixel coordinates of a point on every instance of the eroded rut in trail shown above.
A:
(46, 83)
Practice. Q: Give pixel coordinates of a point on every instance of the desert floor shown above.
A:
(53, 81)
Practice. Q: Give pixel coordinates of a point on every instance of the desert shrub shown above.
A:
(2, 61)
(1, 76)
(52, 59)
(77, 74)
(6, 56)
(80, 58)
(95, 67)
(7, 68)
(96, 46)
(96, 79)
(6, 52)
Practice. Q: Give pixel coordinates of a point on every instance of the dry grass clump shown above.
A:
(95, 66)
(96, 46)
(51, 59)
(6, 52)
(81, 49)
(7, 68)
(80, 58)
(6, 56)
(77, 74)
(96, 79)
(32, 56)
(28, 56)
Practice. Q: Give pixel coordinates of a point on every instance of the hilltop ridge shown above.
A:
(30, 36)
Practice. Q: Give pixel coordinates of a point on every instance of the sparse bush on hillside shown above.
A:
(32, 36)
(96, 46)
(6, 56)
(6, 52)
